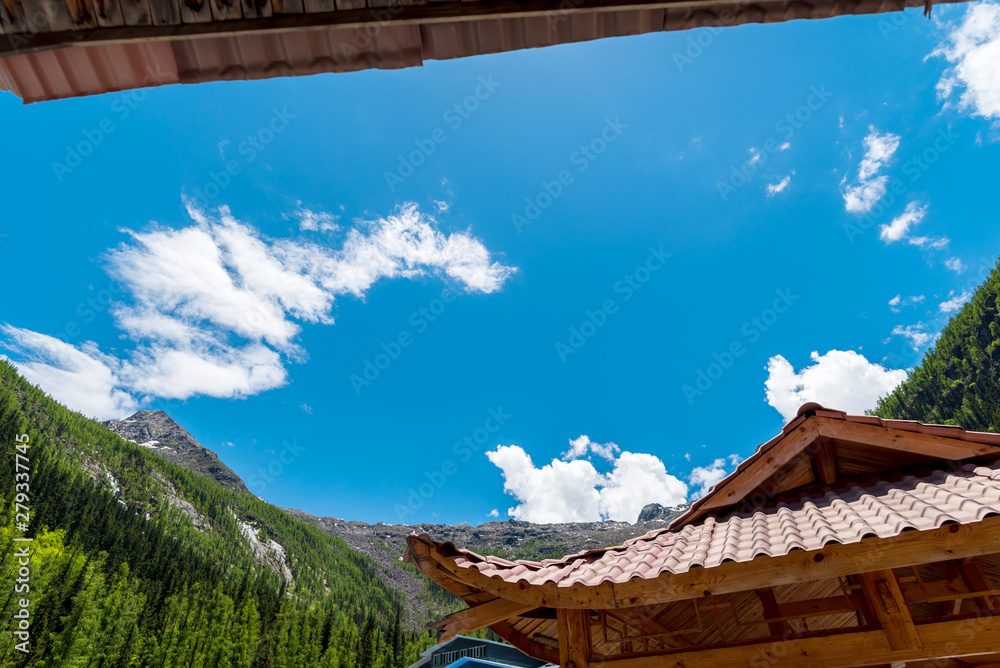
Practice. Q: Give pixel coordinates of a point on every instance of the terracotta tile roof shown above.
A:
(843, 513)
(53, 64)
(809, 409)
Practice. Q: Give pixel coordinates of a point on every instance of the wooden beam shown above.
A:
(942, 640)
(765, 466)
(478, 617)
(910, 442)
(911, 548)
(527, 645)
(771, 611)
(889, 605)
(825, 461)
(648, 626)
(575, 644)
(975, 580)
(405, 14)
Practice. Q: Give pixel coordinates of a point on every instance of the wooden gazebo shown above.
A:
(843, 541)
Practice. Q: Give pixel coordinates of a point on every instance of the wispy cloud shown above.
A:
(900, 226)
(916, 334)
(973, 50)
(869, 187)
(897, 302)
(773, 189)
(216, 306)
(955, 264)
(954, 302)
(317, 221)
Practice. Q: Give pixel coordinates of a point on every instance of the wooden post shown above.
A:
(887, 601)
(575, 646)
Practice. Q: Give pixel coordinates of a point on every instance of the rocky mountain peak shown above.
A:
(159, 432)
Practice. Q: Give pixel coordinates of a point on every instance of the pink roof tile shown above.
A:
(843, 513)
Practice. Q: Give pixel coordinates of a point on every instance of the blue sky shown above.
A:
(599, 274)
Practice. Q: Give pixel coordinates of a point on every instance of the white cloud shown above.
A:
(442, 206)
(317, 221)
(930, 243)
(841, 379)
(785, 146)
(579, 447)
(773, 189)
(82, 379)
(494, 513)
(870, 187)
(915, 333)
(899, 228)
(229, 444)
(306, 408)
(954, 302)
(215, 306)
(955, 264)
(704, 478)
(574, 491)
(755, 157)
(897, 302)
(973, 49)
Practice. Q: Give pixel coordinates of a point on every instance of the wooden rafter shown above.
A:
(478, 617)
(940, 640)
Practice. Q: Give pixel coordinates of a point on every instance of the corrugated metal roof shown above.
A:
(257, 49)
(844, 514)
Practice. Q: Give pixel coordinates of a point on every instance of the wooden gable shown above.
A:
(821, 446)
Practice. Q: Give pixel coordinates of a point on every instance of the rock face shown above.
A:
(157, 431)
(511, 539)
(654, 512)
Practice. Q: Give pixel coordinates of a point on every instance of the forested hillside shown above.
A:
(958, 381)
(138, 562)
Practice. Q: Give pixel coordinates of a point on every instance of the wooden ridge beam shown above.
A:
(911, 548)
(942, 640)
(910, 442)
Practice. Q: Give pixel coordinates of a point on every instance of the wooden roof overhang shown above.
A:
(52, 49)
(885, 553)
